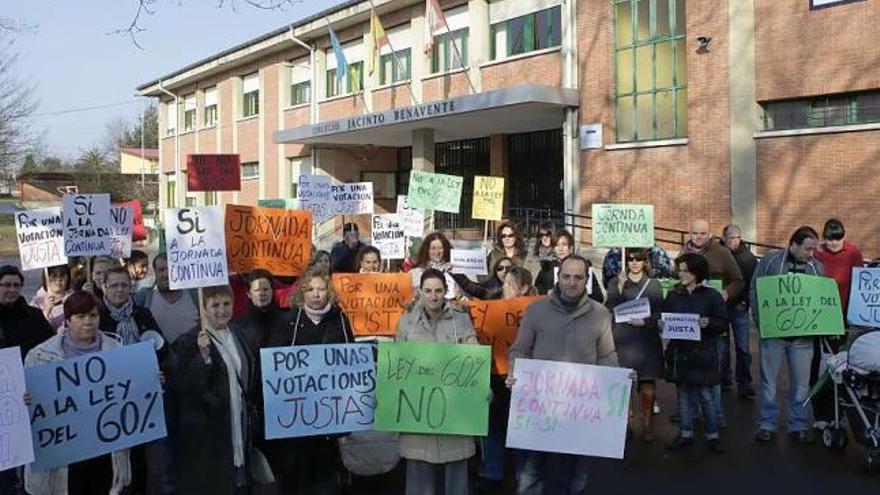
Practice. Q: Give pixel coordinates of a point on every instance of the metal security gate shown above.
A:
(535, 170)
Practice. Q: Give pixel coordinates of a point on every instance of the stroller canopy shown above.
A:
(864, 353)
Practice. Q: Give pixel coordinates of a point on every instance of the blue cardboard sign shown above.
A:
(91, 405)
(318, 389)
(864, 298)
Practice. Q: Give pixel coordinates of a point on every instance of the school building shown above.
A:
(762, 112)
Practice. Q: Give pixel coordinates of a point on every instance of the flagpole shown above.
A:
(347, 68)
(455, 46)
(393, 54)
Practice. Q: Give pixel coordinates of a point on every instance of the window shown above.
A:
(825, 111)
(300, 81)
(447, 49)
(170, 118)
(527, 33)
(651, 69)
(354, 83)
(250, 170)
(250, 88)
(170, 191)
(191, 201)
(189, 112)
(210, 106)
(301, 93)
(395, 67)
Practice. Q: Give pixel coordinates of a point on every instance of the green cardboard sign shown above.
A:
(424, 387)
(797, 305)
(666, 284)
(439, 192)
(623, 225)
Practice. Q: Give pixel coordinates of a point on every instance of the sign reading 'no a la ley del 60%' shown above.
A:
(438, 192)
(797, 305)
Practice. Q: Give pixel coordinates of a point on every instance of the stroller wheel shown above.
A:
(834, 438)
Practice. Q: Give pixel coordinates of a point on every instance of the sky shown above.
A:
(76, 62)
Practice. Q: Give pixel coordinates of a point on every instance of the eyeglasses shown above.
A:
(507, 236)
(634, 259)
(545, 234)
(502, 268)
(11, 285)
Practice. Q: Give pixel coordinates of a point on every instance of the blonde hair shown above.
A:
(298, 297)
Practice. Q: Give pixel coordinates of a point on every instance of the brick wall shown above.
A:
(445, 86)
(545, 69)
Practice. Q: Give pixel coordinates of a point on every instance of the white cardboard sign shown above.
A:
(40, 236)
(196, 243)
(16, 444)
(680, 326)
(468, 261)
(413, 219)
(631, 310)
(387, 236)
(354, 198)
(121, 222)
(86, 224)
(314, 195)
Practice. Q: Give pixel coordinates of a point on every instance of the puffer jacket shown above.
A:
(454, 327)
(696, 362)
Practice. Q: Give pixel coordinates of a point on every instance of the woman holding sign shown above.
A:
(50, 297)
(215, 376)
(433, 319)
(105, 474)
(637, 338)
(692, 364)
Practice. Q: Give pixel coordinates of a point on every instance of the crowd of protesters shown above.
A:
(209, 352)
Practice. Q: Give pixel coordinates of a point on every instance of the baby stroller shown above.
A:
(856, 381)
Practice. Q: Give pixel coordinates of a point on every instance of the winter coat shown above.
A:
(265, 327)
(455, 327)
(342, 257)
(661, 264)
(204, 459)
(56, 314)
(142, 317)
(54, 481)
(639, 348)
(696, 362)
(488, 289)
(779, 263)
(721, 265)
(839, 266)
(23, 325)
(747, 263)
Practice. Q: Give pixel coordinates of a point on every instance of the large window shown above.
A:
(825, 111)
(300, 82)
(354, 83)
(395, 67)
(210, 106)
(527, 33)
(449, 51)
(651, 63)
(170, 118)
(250, 89)
(301, 93)
(189, 112)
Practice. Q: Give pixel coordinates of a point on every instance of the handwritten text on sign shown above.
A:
(86, 224)
(569, 408)
(797, 305)
(623, 225)
(138, 229)
(318, 389)
(352, 199)
(488, 197)
(90, 405)
(412, 218)
(424, 387)
(439, 192)
(121, 225)
(468, 261)
(276, 240)
(196, 247)
(213, 172)
(631, 310)
(314, 196)
(16, 447)
(864, 297)
(496, 323)
(373, 302)
(388, 238)
(40, 236)
(680, 326)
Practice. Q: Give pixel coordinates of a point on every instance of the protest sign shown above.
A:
(631, 310)
(438, 192)
(569, 408)
(355, 198)
(121, 226)
(373, 302)
(623, 225)
(425, 387)
(667, 284)
(196, 247)
(138, 228)
(213, 172)
(496, 323)
(314, 196)
(90, 405)
(16, 446)
(318, 389)
(388, 237)
(276, 240)
(488, 197)
(468, 261)
(680, 326)
(864, 298)
(86, 224)
(280, 203)
(40, 236)
(412, 218)
(797, 305)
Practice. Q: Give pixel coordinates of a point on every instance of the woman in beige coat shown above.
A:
(433, 319)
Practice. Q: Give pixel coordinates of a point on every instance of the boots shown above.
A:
(647, 410)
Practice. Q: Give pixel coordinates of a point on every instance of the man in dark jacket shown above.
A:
(738, 311)
(344, 252)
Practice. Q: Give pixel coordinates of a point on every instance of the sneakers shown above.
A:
(715, 446)
(801, 437)
(763, 435)
(679, 443)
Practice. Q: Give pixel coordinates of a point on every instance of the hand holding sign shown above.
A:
(681, 326)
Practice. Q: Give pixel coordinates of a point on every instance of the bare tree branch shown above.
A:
(17, 104)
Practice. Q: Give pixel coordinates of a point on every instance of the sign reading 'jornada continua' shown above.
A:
(382, 118)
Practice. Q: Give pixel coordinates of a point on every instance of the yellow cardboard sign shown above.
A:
(488, 197)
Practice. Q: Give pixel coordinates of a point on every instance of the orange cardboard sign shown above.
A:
(496, 323)
(276, 240)
(373, 302)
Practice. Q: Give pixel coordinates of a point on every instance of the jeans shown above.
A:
(739, 325)
(716, 389)
(544, 472)
(797, 353)
(9, 482)
(421, 477)
(691, 400)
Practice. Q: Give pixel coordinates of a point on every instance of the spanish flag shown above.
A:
(377, 40)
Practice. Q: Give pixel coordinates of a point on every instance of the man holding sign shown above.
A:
(796, 350)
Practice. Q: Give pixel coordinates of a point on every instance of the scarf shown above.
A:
(228, 350)
(690, 248)
(567, 304)
(73, 348)
(126, 328)
(316, 315)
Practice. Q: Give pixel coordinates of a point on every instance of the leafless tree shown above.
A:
(17, 105)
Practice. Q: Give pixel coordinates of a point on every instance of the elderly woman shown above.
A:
(49, 297)
(428, 457)
(215, 376)
(106, 474)
(119, 314)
